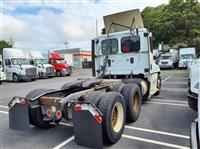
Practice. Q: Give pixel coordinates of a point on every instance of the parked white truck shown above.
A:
(169, 59)
(185, 56)
(16, 66)
(193, 82)
(125, 74)
(44, 69)
(2, 74)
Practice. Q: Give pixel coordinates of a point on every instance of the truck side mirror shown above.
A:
(154, 57)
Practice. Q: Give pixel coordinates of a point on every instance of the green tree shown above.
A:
(177, 23)
(4, 44)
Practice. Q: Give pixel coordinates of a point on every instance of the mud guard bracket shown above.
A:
(87, 129)
(19, 114)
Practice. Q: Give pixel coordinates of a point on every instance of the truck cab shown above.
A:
(44, 69)
(186, 55)
(60, 65)
(125, 52)
(16, 66)
(168, 59)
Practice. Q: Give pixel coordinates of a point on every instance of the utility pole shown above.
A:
(11, 41)
(66, 44)
(96, 28)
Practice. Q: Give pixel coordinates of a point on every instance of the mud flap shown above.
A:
(87, 128)
(19, 114)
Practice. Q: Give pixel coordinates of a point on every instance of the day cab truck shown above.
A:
(186, 55)
(60, 65)
(169, 59)
(193, 83)
(125, 75)
(44, 69)
(16, 66)
(2, 74)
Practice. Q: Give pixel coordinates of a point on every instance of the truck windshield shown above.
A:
(187, 56)
(109, 46)
(60, 61)
(165, 57)
(20, 61)
(41, 61)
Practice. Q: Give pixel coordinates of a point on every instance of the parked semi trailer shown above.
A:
(44, 69)
(125, 74)
(16, 66)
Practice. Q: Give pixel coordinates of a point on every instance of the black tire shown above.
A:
(33, 79)
(118, 87)
(36, 116)
(94, 97)
(15, 78)
(132, 96)
(0, 82)
(58, 74)
(159, 82)
(107, 105)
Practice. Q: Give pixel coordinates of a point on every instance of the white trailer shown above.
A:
(169, 59)
(44, 69)
(186, 55)
(16, 66)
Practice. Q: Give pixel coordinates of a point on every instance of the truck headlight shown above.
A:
(196, 86)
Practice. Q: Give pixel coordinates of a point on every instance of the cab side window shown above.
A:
(31, 62)
(109, 46)
(130, 44)
(7, 62)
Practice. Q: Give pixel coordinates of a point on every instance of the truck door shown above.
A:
(8, 69)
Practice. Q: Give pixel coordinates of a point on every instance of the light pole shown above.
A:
(66, 44)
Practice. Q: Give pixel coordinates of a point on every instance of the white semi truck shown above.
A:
(44, 69)
(193, 83)
(2, 74)
(125, 74)
(169, 59)
(186, 55)
(16, 66)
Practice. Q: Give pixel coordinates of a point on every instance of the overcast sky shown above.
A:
(45, 24)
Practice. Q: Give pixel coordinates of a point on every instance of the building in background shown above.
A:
(77, 57)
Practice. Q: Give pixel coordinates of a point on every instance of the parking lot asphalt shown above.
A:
(164, 121)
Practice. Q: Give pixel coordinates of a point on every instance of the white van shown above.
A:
(41, 63)
(16, 65)
(2, 74)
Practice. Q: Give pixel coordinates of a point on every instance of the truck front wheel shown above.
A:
(58, 74)
(112, 106)
(132, 97)
(15, 78)
(158, 86)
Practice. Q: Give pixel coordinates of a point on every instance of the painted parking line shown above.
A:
(170, 104)
(6, 107)
(64, 143)
(155, 142)
(3, 112)
(171, 101)
(166, 79)
(158, 132)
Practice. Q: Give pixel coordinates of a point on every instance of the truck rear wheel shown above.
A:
(158, 86)
(94, 97)
(132, 97)
(35, 112)
(118, 87)
(112, 106)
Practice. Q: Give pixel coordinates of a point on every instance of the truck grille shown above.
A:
(31, 71)
(50, 70)
(164, 63)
